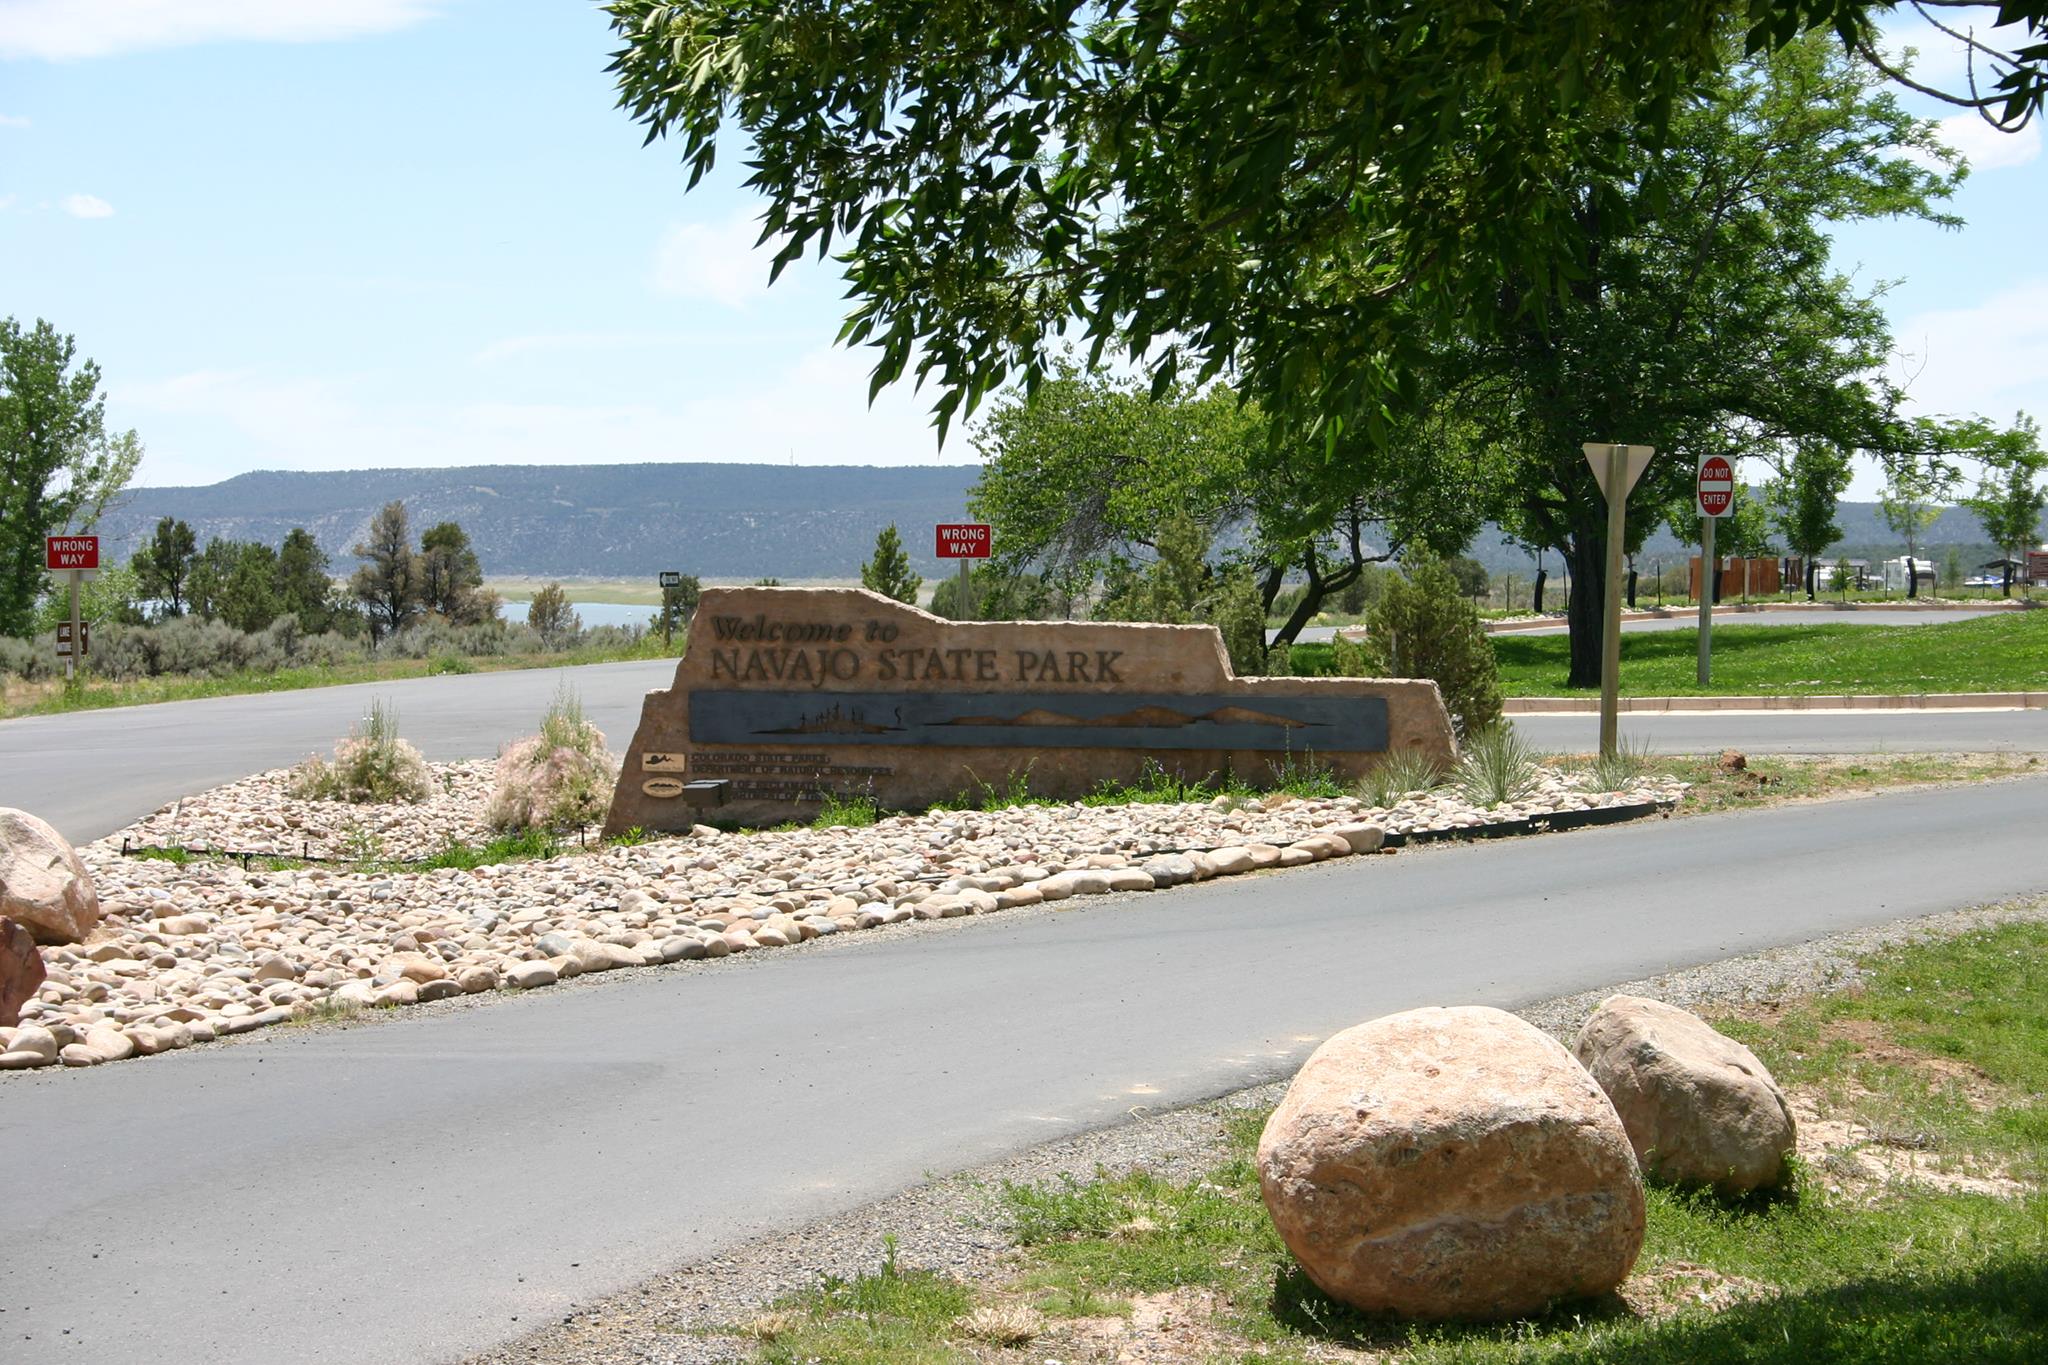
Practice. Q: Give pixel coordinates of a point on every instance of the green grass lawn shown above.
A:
(1942, 1054)
(2003, 653)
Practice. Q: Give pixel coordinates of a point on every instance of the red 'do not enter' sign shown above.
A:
(964, 540)
(1716, 486)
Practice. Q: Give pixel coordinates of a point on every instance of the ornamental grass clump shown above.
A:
(372, 766)
(559, 779)
(1398, 776)
(1498, 766)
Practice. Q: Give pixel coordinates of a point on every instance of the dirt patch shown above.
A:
(1681, 1286)
(1161, 1329)
(1852, 1157)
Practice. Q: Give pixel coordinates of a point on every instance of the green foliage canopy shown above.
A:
(59, 467)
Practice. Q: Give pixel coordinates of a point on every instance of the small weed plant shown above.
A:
(1498, 766)
(373, 766)
(561, 778)
(845, 812)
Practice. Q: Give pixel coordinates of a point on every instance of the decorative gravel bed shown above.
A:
(260, 815)
(190, 952)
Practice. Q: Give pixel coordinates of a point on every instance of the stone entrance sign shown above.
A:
(787, 694)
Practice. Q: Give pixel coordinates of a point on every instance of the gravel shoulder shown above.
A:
(955, 1225)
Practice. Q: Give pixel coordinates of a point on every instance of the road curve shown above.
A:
(415, 1188)
(92, 772)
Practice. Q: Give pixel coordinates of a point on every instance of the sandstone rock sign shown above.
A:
(786, 695)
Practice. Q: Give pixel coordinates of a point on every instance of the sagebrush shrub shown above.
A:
(373, 765)
(561, 778)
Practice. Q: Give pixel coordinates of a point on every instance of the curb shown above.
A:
(1911, 701)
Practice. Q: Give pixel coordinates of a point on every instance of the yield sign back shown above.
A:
(1636, 458)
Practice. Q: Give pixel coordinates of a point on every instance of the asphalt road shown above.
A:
(414, 1188)
(92, 772)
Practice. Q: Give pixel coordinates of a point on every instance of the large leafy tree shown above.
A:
(1706, 318)
(1090, 470)
(2009, 500)
(1283, 190)
(59, 467)
(1804, 498)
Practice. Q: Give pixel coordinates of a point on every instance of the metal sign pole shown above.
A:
(966, 587)
(77, 635)
(1706, 599)
(1610, 654)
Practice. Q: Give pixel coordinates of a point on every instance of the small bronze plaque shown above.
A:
(663, 788)
(661, 763)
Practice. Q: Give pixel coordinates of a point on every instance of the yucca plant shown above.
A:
(1498, 766)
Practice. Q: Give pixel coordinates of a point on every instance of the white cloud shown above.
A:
(556, 343)
(1988, 149)
(64, 30)
(1990, 359)
(87, 206)
(13, 120)
(715, 261)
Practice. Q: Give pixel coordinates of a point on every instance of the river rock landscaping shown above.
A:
(192, 950)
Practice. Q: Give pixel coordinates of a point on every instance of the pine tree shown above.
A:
(163, 565)
(888, 573)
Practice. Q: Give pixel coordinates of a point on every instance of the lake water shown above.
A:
(593, 613)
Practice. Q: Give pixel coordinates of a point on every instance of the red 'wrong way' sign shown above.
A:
(71, 552)
(1716, 487)
(963, 540)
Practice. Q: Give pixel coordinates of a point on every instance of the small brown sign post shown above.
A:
(1616, 469)
(77, 556)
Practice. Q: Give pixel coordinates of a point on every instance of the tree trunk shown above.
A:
(1536, 598)
(1583, 607)
(1812, 570)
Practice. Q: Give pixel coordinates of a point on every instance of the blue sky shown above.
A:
(355, 233)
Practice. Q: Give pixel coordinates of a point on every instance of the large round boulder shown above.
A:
(1700, 1109)
(21, 970)
(42, 884)
(1451, 1163)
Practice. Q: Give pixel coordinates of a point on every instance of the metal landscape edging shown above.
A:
(1555, 823)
